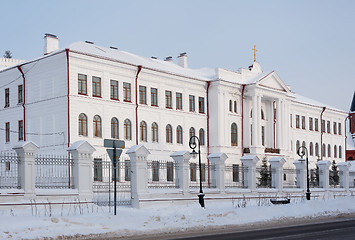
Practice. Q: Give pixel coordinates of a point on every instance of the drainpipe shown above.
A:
(321, 132)
(243, 88)
(23, 102)
(274, 107)
(208, 132)
(136, 83)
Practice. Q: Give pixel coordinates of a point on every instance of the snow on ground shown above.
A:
(50, 221)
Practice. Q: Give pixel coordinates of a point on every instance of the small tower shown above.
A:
(350, 150)
(352, 117)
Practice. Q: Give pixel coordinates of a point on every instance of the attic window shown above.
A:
(89, 42)
(113, 48)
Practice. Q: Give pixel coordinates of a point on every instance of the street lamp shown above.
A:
(194, 154)
(301, 152)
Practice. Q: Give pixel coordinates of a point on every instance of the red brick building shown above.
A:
(350, 150)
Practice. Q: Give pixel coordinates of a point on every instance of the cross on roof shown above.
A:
(254, 49)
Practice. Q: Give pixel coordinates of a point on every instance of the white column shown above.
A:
(278, 123)
(255, 121)
(139, 179)
(277, 172)
(249, 170)
(26, 168)
(301, 173)
(258, 121)
(82, 170)
(218, 160)
(344, 174)
(182, 158)
(323, 173)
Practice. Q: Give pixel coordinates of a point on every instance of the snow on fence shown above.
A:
(9, 174)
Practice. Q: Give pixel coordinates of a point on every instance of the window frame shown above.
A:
(168, 99)
(234, 134)
(82, 84)
(7, 97)
(192, 103)
(96, 86)
(154, 97)
(179, 135)
(83, 125)
(114, 90)
(20, 94)
(7, 132)
(20, 130)
(142, 94)
(169, 133)
(97, 126)
(114, 128)
(201, 105)
(127, 127)
(178, 101)
(127, 92)
(155, 132)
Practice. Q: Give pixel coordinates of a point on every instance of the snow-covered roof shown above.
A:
(302, 99)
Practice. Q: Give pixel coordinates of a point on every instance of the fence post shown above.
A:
(301, 173)
(26, 169)
(182, 158)
(249, 170)
(323, 173)
(344, 174)
(139, 180)
(82, 170)
(277, 172)
(217, 174)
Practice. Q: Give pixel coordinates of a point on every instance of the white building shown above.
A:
(90, 92)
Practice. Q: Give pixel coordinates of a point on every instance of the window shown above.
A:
(230, 105)
(193, 168)
(83, 125)
(311, 149)
(234, 134)
(98, 169)
(323, 150)
(20, 93)
(7, 166)
(329, 151)
(114, 128)
(339, 128)
(297, 121)
(297, 145)
(169, 133)
(192, 133)
(328, 126)
(168, 99)
(155, 170)
(263, 135)
(7, 97)
(7, 132)
(335, 127)
(263, 115)
(179, 139)
(127, 170)
(82, 84)
(142, 95)
(323, 125)
(170, 171)
(143, 132)
(126, 92)
(191, 103)
(340, 152)
(201, 134)
(335, 151)
(20, 130)
(311, 124)
(303, 144)
(154, 132)
(235, 172)
(316, 148)
(154, 96)
(303, 122)
(114, 89)
(127, 129)
(290, 120)
(179, 101)
(97, 126)
(316, 124)
(235, 106)
(96, 86)
(201, 105)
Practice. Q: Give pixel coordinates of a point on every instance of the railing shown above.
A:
(9, 174)
(195, 175)
(272, 150)
(162, 174)
(234, 176)
(289, 178)
(53, 172)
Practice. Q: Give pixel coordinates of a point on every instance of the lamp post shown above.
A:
(193, 146)
(301, 152)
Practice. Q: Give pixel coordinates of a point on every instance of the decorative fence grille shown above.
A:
(289, 178)
(53, 172)
(162, 174)
(206, 175)
(9, 174)
(103, 182)
(234, 176)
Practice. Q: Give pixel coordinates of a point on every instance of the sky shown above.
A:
(309, 43)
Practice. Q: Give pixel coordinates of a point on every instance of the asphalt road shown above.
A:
(340, 229)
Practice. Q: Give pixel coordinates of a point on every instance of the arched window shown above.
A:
(311, 149)
(114, 128)
(201, 134)
(303, 144)
(179, 135)
(297, 145)
(262, 115)
(329, 151)
(127, 129)
(235, 106)
(335, 151)
(340, 152)
(154, 132)
(324, 150)
(316, 148)
(192, 133)
(234, 134)
(83, 125)
(230, 105)
(143, 131)
(169, 133)
(97, 126)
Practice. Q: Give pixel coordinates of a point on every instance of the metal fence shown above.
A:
(206, 171)
(103, 181)
(9, 173)
(53, 172)
(162, 174)
(289, 178)
(234, 176)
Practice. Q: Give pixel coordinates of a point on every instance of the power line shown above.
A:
(36, 134)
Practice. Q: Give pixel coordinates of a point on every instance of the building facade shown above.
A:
(90, 92)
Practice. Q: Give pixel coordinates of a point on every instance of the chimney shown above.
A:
(51, 43)
(169, 59)
(182, 60)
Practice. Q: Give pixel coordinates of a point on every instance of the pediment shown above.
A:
(273, 81)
